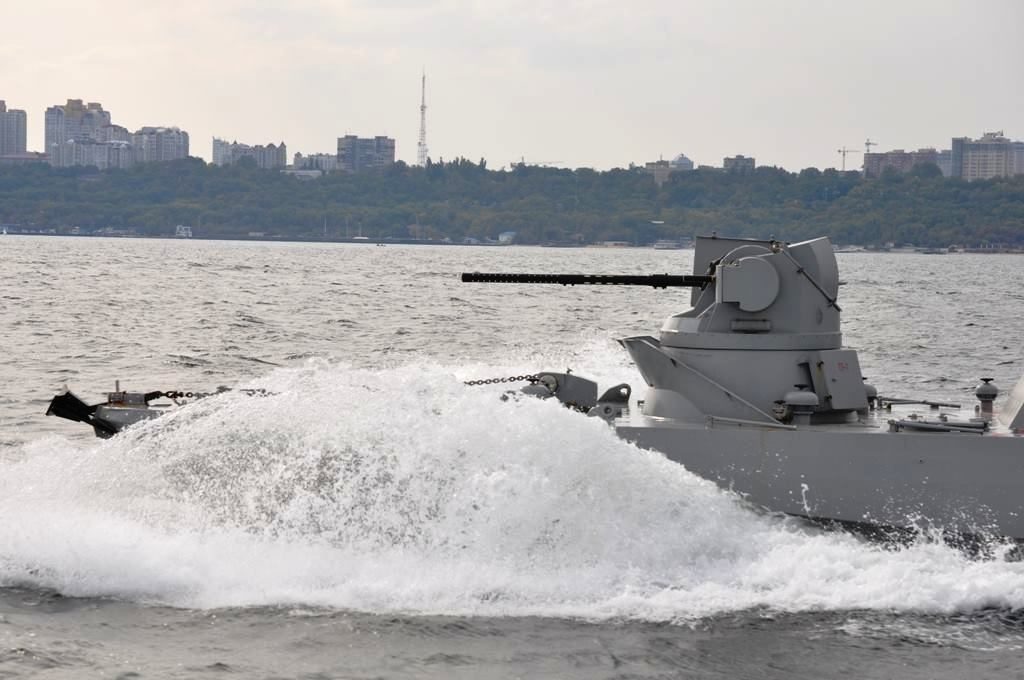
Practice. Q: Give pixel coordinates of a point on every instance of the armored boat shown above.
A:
(751, 388)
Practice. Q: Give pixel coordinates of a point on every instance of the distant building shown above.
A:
(898, 160)
(109, 148)
(23, 158)
(103, 155)
(358, 154)
(660, 170)
(13, 127)
(77, 133)
(681, 163)
(303, 174)
(113, 133)
(991, 156)
(157, 144)
(326, 162)
(74, 121)
(945, 162)
(739, 164)
(222, 152)
(268, 156)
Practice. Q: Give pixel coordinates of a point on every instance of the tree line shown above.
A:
(462, 199)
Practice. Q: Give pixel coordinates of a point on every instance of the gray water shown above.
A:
(374, 517)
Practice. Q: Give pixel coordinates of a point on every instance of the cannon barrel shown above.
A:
(654, 280)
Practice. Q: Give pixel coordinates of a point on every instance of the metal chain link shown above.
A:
(181, 394)
(511, 378)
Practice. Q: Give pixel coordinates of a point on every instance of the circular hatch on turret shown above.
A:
(751, 282)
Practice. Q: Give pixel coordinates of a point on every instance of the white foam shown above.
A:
(402, 490)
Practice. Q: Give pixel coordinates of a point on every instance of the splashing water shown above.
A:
(402, 490)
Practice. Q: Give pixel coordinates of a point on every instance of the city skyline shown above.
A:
(587, 84)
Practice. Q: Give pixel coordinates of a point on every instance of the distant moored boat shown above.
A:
(668, 244)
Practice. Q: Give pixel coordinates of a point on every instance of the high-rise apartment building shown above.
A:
(898, 160)
(103, 155)
(13, 127)
(268, 156)
(221, 152)
(991, 156)
(358, 154)
(74, 120)
(113, 133)
(154, 144)
(945, 162)
(80, 133)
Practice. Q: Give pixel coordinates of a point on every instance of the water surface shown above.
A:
(374, 517)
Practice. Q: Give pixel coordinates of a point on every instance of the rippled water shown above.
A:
(374, 517)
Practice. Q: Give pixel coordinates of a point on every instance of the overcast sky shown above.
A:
(569, 82)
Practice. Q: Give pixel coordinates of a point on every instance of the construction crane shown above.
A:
(842, 152)
(868, 144)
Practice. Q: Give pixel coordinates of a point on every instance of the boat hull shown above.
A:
(955, 482)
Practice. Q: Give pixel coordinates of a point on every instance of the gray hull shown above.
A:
(961, 483)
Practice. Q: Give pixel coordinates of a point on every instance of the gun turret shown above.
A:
(654, 280)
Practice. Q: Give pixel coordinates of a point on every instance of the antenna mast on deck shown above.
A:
(421, 146)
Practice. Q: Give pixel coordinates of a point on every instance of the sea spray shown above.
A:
(403, 490)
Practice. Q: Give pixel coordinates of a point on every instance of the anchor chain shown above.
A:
(178, 394)
(181, 394)
(511, 378)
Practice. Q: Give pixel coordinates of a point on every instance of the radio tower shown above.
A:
(421, 147)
